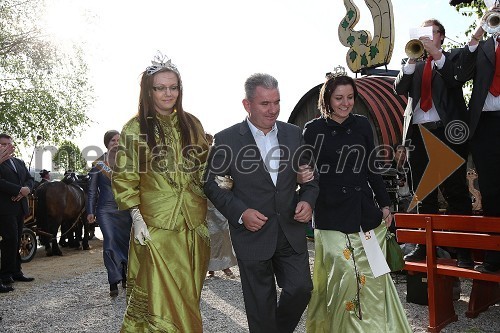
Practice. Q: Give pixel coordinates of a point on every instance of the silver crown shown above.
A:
(337, 71)
(161, 61)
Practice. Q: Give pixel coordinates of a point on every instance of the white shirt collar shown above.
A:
(255, 131)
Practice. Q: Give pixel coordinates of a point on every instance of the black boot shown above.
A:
(418, 254)
(113, 289)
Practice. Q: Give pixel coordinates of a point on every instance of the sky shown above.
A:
(216, 45)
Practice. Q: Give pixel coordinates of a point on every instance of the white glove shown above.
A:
(140, 228)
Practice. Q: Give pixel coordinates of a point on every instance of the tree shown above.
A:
(470, 9)
(476, 8)
(43, 90)
(69, 157)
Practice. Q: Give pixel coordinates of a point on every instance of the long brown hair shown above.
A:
(147, 113)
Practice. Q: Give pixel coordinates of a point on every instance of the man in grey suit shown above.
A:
(443, 103)
(480, 60)
(267, 215)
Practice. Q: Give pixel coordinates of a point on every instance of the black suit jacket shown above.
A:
(345, 157)
(236, 154)
(447, 92)
(480, 66)
(10, 185)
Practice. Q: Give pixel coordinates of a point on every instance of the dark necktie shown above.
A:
(495, 84)
(425, 89)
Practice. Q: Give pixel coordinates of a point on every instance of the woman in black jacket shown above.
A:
(351, 217)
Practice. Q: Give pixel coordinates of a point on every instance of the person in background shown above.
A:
(265, 213)
(6, 152)
(16, 184)
(45, 176)
(435, 100)
(221, 249)
(480, 61)
(405, 191)
(115, 224)
(352, 292)
(158, 178)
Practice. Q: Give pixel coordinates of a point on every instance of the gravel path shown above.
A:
(70, 294)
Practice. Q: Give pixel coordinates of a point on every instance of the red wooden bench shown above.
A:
(473, 232)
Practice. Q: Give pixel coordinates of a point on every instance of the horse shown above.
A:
(60, 204)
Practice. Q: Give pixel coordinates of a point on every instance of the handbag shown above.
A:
(394, 255)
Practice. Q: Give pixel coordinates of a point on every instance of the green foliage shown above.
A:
(474, 9)
(43, 90)
(69, 157)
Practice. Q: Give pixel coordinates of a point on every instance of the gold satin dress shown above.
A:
(165, 276)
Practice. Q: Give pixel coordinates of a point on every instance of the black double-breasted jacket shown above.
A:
(348, 177)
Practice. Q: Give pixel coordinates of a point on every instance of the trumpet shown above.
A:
(491, 22)
(414, 49)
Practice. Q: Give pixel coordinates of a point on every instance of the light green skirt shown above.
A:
(164, 281)
(346, 296)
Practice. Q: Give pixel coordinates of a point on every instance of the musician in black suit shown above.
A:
(443, 104)
(266, 216)
(480, 60)
(15, 185)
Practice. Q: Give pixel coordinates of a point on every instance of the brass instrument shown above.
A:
(414, 49)
(491, 22)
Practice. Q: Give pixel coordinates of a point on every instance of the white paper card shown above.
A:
(416, 33)
(376, 258)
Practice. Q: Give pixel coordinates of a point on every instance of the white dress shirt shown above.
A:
(419, 115)
(269, 148)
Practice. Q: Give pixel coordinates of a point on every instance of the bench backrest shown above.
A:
(475, 232)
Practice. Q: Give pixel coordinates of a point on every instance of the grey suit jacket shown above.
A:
(447, 92)
(236, 154)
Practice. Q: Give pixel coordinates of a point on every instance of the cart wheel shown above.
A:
(28, 246)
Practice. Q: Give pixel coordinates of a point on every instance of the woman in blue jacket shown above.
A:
(115, 224)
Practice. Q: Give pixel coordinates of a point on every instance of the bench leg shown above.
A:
(482, 295)
(441, 310)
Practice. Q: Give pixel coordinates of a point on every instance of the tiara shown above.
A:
(337, 71)
(161, 61)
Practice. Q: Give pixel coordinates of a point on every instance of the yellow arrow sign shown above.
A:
(443, 161)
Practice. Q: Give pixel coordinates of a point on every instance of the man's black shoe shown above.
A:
(7, 280)
(22, 278)
(5, 289)
(464, 258)
(417, 254)
(487, 268)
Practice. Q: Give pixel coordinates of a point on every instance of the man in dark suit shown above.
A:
(266, 214)
(15, 185)
(434, 101)
(480, 60)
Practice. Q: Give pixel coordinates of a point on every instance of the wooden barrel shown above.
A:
(376, 100)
